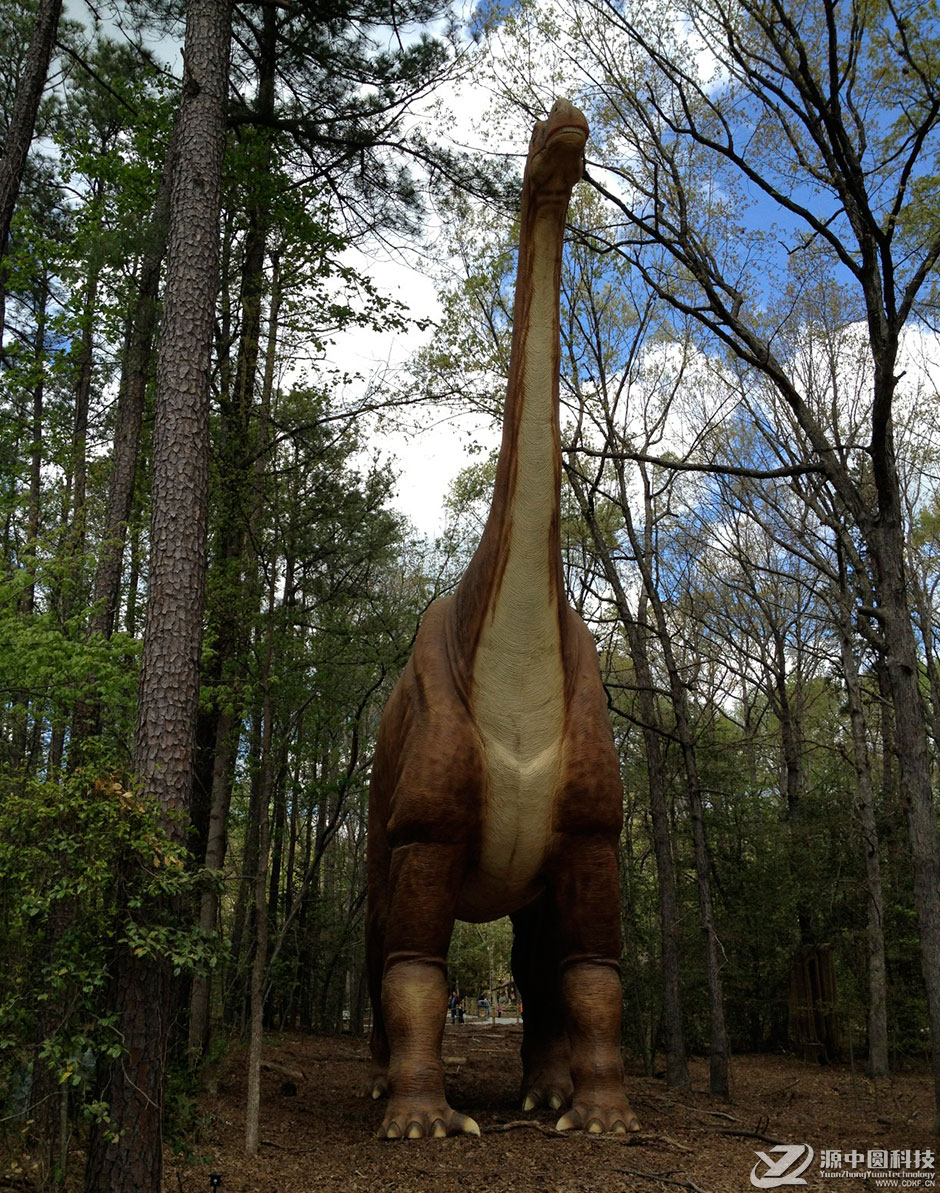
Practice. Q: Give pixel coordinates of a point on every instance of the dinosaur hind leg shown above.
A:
(536, 960)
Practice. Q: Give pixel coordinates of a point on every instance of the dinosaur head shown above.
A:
(556, 154)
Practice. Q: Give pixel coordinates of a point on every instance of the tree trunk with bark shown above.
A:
(910, 730)
(131, 394)
(19, 132)
(129, 1157)
(260, 961)
(136, 372)
(865, 803)
(718, 1043)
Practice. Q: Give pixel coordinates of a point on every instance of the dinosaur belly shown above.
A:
(516, 832)
(518, 707)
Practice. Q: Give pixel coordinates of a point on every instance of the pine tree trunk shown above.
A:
(19, 131)
(136, 374)
(234, 564)
(35, 463)
(226, 751)
(169, 684)
(260, 962)
(106, 588)
(20, 737)
(228, 726)
(77, 529)
(236, 978)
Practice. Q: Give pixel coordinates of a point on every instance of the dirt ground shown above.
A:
(318, 1128)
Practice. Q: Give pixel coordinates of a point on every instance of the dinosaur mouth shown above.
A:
(569, 132)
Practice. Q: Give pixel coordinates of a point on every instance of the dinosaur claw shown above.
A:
(467, 1125)
(569, 1122)
(595, 1127)
(547, 1095)
(415, 1131)
(438, 1129)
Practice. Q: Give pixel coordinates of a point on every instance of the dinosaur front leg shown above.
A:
(587, 891)
(424, 882)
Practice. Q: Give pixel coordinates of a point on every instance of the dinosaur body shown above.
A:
(496, 787)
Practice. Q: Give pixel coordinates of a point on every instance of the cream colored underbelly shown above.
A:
(518, 682)
(519, 713)
(516, 832)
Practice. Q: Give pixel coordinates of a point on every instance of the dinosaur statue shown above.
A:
(496, 785)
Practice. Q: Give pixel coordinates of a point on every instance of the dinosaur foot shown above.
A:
(550, 1092)
(425, 1121)
(546, 1082)
(614, 1118)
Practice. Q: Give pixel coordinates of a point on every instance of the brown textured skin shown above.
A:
(454, 741)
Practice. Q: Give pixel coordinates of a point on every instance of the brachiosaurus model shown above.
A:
(496, 785)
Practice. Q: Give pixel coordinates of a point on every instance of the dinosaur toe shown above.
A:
(550, 1097)
(428, 1122)
(616, 1119)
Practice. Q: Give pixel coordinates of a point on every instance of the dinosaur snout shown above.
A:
(556, 154)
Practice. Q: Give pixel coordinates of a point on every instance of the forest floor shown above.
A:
(318, 1127)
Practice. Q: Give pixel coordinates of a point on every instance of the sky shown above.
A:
(429, 459)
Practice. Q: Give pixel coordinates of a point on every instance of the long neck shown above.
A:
(520, 548)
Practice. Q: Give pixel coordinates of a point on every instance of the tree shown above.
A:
(19, 132)
(129, 1156)
(318, 163)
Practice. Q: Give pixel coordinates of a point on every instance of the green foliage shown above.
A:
(46, 668)
(87, 867)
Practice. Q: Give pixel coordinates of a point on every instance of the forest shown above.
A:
(207, 591)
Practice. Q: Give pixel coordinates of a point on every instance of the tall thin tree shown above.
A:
(22, 123)
(129, 1157)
